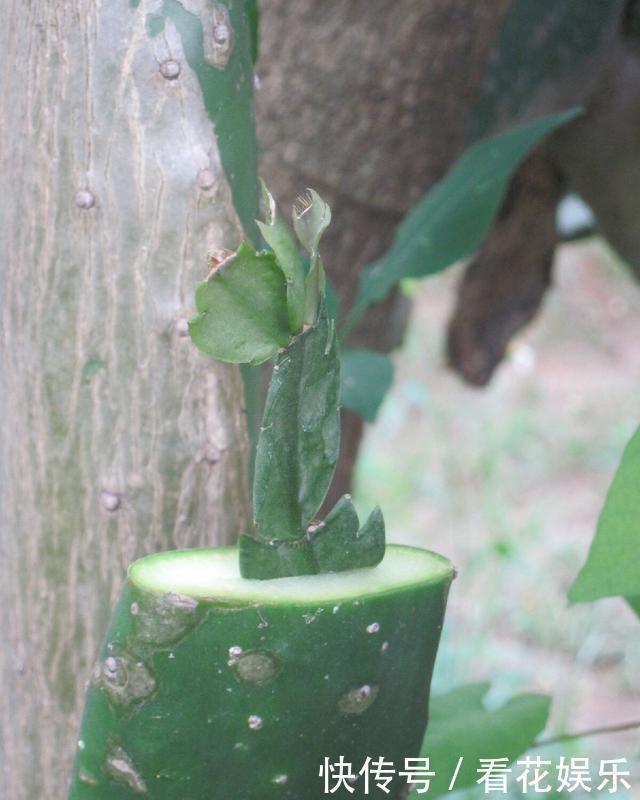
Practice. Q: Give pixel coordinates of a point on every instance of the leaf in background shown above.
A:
(242, 309)
(365, 379)
(453, 219)
(266, 560)
(613, 565)
(227, 93)
(276, 234)
(539, 42)
(460, 725)
(300, 435)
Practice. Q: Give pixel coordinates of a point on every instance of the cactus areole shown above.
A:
(240, 672)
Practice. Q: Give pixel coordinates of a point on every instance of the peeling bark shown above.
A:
(118, 438)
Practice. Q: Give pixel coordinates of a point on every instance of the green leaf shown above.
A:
(365, 379)
(300, 435)
(311, 217)
(242, 309)
(460, 725)
(453, 219)
(613, 565)
(276, 234)
(227, 94)
(262, 560)
(538, 43)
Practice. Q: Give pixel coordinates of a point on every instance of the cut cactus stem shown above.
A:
(210, 686)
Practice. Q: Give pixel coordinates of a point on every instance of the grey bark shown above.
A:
(117, 437)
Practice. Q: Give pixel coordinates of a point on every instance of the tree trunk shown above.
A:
(118, 438)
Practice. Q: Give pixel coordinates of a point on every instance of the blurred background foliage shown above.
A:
(509, 481)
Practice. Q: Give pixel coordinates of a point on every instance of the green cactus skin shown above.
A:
(212, 687)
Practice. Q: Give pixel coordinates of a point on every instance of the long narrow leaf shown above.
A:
(453, 219)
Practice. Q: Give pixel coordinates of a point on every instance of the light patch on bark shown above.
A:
(101, 393)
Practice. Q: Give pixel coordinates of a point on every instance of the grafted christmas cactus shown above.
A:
(251, 307)
(239, 672)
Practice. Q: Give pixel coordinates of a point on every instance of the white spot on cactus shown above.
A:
(314, 527)
(120, 767)
(384, 647)
(81, 744)
(164, 619)
(123, 680)
(263, 622)
(171, 655)
(255, 722)
(358, 700)
(256, 666)
(281, 779)
(86, 777)
(373, 628)
(309, 618)
(218, 44)
(241, 746)
(335, 609)
(135, 609)
(234, 654)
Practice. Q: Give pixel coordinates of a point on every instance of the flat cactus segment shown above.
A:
(276, 234)
(242, 309)
(300, 435)
(341, 544)
(311, 217)
(242, 688)
(263, 560)
(338, 544)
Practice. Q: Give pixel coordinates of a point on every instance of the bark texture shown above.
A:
(118, 438)
(371, 111)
